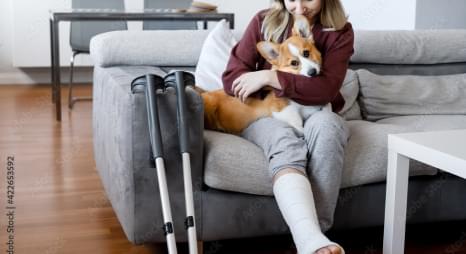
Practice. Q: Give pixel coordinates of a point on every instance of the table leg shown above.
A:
(56, 69)
(232, 23)
(395, 203)
(52, 64)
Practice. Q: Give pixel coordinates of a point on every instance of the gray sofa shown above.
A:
(399, 81)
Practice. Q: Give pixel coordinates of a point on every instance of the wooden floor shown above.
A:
(61, 206)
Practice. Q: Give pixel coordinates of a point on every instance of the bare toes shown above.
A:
(323, 250)
(331, 249)
(334, 249)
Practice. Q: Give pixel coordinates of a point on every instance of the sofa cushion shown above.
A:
(350, 92)
(385, 96)
(214, 57)
(157, 48)
(366, 153)
(410, 47)
(234, 164)
(147, 48)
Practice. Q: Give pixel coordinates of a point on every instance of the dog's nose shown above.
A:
(312, 72)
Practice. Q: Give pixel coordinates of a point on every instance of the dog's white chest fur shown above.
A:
(294, 114)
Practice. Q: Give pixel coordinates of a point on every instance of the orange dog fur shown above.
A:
(297, 55)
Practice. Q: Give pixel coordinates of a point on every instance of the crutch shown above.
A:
(153, 83)
(180, 80)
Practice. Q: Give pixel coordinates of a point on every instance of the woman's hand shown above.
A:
(251, 82)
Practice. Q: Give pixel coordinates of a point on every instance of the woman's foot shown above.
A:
(331, 249)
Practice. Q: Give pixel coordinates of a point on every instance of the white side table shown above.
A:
(445, 150)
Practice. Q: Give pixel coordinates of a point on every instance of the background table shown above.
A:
(116, 15)
(445, 150)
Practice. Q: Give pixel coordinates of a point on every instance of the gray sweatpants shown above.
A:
(319, 154)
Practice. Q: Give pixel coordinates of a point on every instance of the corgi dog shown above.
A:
(297, 55)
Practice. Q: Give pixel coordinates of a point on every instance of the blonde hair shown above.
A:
(332, 16)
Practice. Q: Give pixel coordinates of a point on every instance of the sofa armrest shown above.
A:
(122, 150)
(156, 48)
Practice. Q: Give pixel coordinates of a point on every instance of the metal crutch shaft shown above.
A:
(152, 84)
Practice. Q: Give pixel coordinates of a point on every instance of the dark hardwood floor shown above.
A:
(61, 206)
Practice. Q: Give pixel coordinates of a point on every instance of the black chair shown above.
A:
(164, 5)
(81, 33)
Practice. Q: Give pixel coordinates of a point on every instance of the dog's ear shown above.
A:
(301, 27)
(311, 38)
(270, 51)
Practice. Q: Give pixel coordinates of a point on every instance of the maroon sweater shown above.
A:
(336, 48)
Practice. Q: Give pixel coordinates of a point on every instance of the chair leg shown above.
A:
(70, 87)
(200, 247)
(72, 100)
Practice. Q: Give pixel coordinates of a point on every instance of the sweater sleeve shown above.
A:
(244, 56)
(324, 88)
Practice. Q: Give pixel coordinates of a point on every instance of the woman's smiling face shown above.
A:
(308, 8)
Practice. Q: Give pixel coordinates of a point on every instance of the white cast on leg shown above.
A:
(294, 197)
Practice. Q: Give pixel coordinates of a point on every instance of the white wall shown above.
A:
(381, 14)
(244, 10)
(434, 14)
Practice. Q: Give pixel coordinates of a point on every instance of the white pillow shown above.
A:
(214, 57)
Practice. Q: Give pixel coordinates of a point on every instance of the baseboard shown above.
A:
(42, 76)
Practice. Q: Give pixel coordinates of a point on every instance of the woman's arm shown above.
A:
(251, 82)
(244, 56)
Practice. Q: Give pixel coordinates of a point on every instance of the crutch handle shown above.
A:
(152, 83)
(180, 80)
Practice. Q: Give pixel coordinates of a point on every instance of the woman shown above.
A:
(318, 155)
